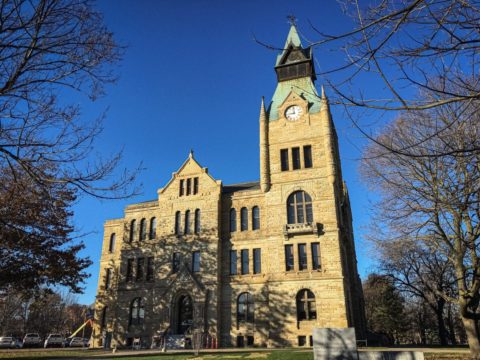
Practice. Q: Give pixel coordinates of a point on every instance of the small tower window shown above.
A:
(243, 219)
(295, 158)
(111, 244)
(307, 156)
(284, 159)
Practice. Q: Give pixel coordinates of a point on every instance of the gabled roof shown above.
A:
(245, 186)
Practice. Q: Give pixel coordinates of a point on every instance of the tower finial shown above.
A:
(323, 93)
(292, 20)
(190, 155)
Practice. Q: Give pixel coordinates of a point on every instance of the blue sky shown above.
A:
(192, 78)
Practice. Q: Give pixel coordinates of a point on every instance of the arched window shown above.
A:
(143, 229)
(306, 307)
(197, 221)
(153, 228)
(177, 222)
(245, 308)
(111, 244)
(187, 222)
(299, 208)
(137, 312)
(103, 317)
(243, 219)
(233, 220)
(133, 230)
(255, 218)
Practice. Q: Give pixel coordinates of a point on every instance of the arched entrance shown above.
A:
(184, 314)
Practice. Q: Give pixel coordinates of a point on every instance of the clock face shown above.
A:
(293, 112)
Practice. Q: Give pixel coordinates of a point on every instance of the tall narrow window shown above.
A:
(196, 261)
(137, 312)
(129, 275)
(233, 262)
(195, 185)
(153, 228)
(307, 156)
(244, 219)
(189, 186)
(197, 221)
(306, 306)
(245, 308)
(299, 208)
(133, 230)
(284, 159)
(302, 257)
(288, 257)
(187, 222)
(295, 158)
(244, 254)
(143, 229)
(257, 261)
(108, 278)
(233, 220)
(182, 187)
(177, 222)
(103, 318)
(255, 218)
(140, 266)
(316, 256)
(149, 269)
(111, 244)
(175, 262)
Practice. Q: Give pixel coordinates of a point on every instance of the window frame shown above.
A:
(196, 261)
(289, 258)
(176, 261)
(306, 305)
(284, 160)
(197, 225)
(257, 261)
(233, 220)
(245, 262)
(186, 228)
(152, 234)
(149, 276)
(129, 273)
(133, 230)
(111, 243)
(143, 229)
(178, 222)
(137, 306)
(302, 257)
(233, 262)
(255, 218)
(140, 273)
(307, 157)
(245, 308)
(316, 256)
(296, 160)
(298, 210)
(244, 219)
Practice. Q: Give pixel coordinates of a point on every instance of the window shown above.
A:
(181, 190)
(108, 278)
(187, 222)
(150, 269)
(133, 230)
(196, 261)
(306, 307)
(284, 159)
(143, 229)
(288, 257)
(307, 156)
(302, 257)
(233, 220)
(257, 261)
(233, 262)
(195, 185)
(129, 275)
(103, 317)
(245, 308)
(140, 265)
(295, 158)
(243, 219)
(137, 312)
(177, 222)
(189, 186)
(255, 218)
(175, 262)
(249, 340)
(153, 228)
(302, 340)
(299, 208)
(197, 221)
(316, 256)
(244, 254)
(111, 244)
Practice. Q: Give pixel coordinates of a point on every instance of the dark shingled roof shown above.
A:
(246, 186)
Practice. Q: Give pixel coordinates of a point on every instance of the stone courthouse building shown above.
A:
(250, 264)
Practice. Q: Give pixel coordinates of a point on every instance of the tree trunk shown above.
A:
(451, 326)
(471, 328)
(442, 331)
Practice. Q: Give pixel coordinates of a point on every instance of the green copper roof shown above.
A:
(302, 86)
(293, 39)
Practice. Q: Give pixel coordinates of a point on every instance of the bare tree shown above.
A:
(51, 53)
(435, 200)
